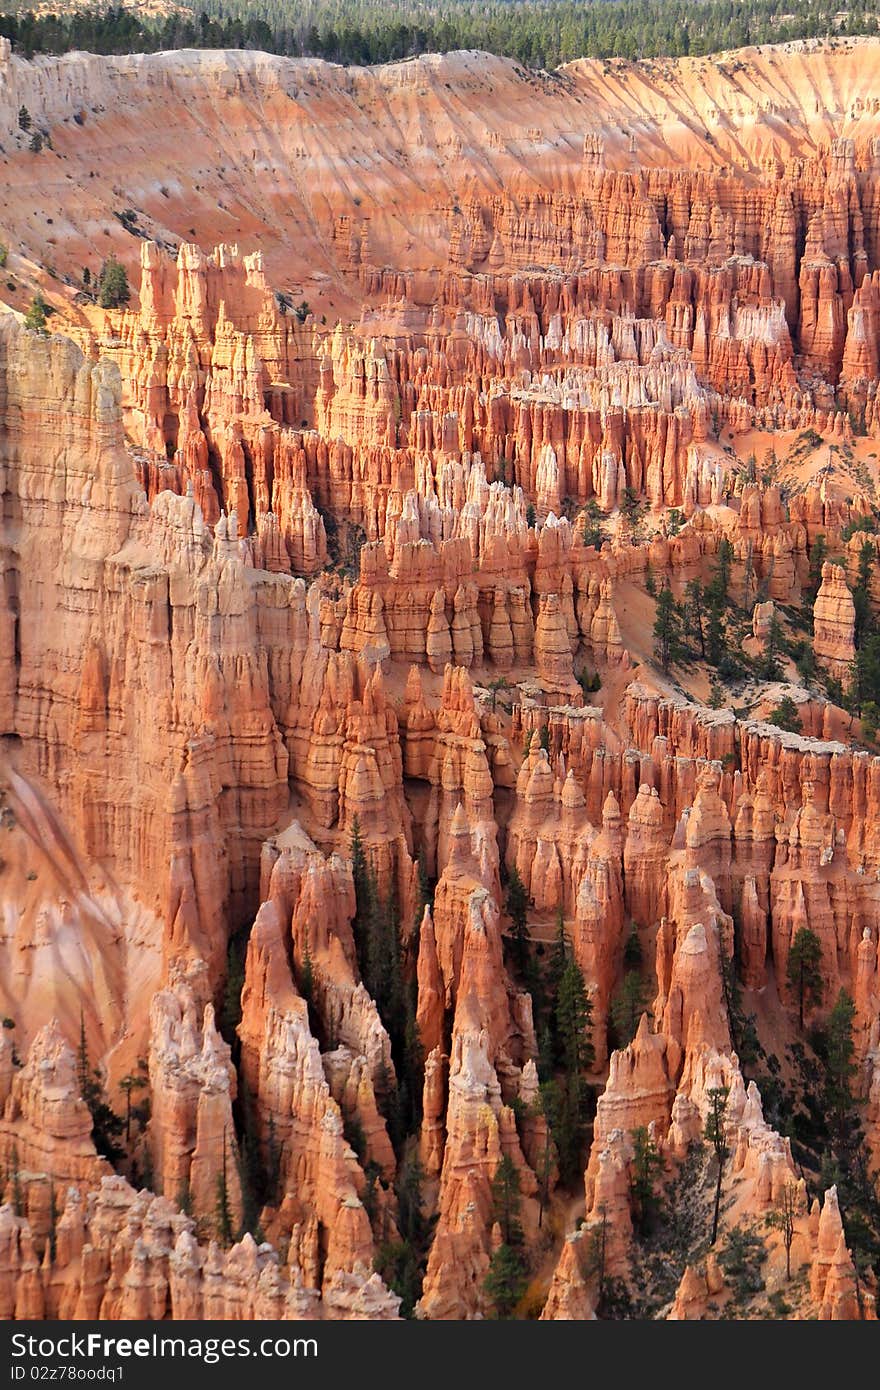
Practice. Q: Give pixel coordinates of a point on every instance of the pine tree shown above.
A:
(782, 1219)
(573, 1017)
(559, 955)
(840, 1067)
(769, 666)
(567, 1100)
(113, 290)
(715, 1132)
(818, 556)
(24, 118)
(667, 629)
(36, 316)
(804, 969)
(506, 1280)
(627, 1007)
(695, 612)
(107, 1126)
(222, 1209)
(506, 1201)
(647, 1164)
(516, 905)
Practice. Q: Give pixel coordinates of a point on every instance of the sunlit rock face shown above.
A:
(330, 567)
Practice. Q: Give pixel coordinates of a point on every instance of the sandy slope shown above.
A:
(278, 152)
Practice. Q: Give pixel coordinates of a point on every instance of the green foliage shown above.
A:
(107, 1126)
(402, 1263)
(818, 556)
(633, 508)
(862, 591)
(785, 716)
(566, 1100)
(870, 720)
(113, 290)
(24, 118)
(4, 254)
(35, 144)
(647, 1165)
(768, 666)
(627, 1007)
(506, 1202)
(741, 1257)
(714, 1131)
(696, 613)
(592, 524)
(516, 905)
(840, 1067)
(538, 34)
(223, 1229)
(506, 1281)
(668, 639)
(632, 949)
(573, 1019)
(804, 969)
(37, 314)
(230, 1007)
(380, 954)
(782, 1218)
(856, 524)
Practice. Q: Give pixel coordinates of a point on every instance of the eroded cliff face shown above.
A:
(298, 627)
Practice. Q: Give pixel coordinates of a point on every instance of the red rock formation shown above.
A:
(295, 601)
(834, 618)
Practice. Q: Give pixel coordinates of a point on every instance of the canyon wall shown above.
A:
(328, 619)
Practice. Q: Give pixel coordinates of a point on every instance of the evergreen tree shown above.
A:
(785, 716)
(516, 905)
(132, 1082)
(862, 591)
(24, 118)
(627, 1007)
(107, 1126)
(506, 1280)
(715, 1132)
(667, 629)
(632, 949)
(647, 1164)
(818, 556)
(222, 1208)
(804, 969)
(573, 1017)
(566, 1100)
(782, 1219)
(695, 612)
(769, 667)
(506, 1201)
(36, 316)
(840, 1067)
(720, 583)
(113, 290)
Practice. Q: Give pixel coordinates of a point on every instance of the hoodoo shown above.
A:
(440, 687)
